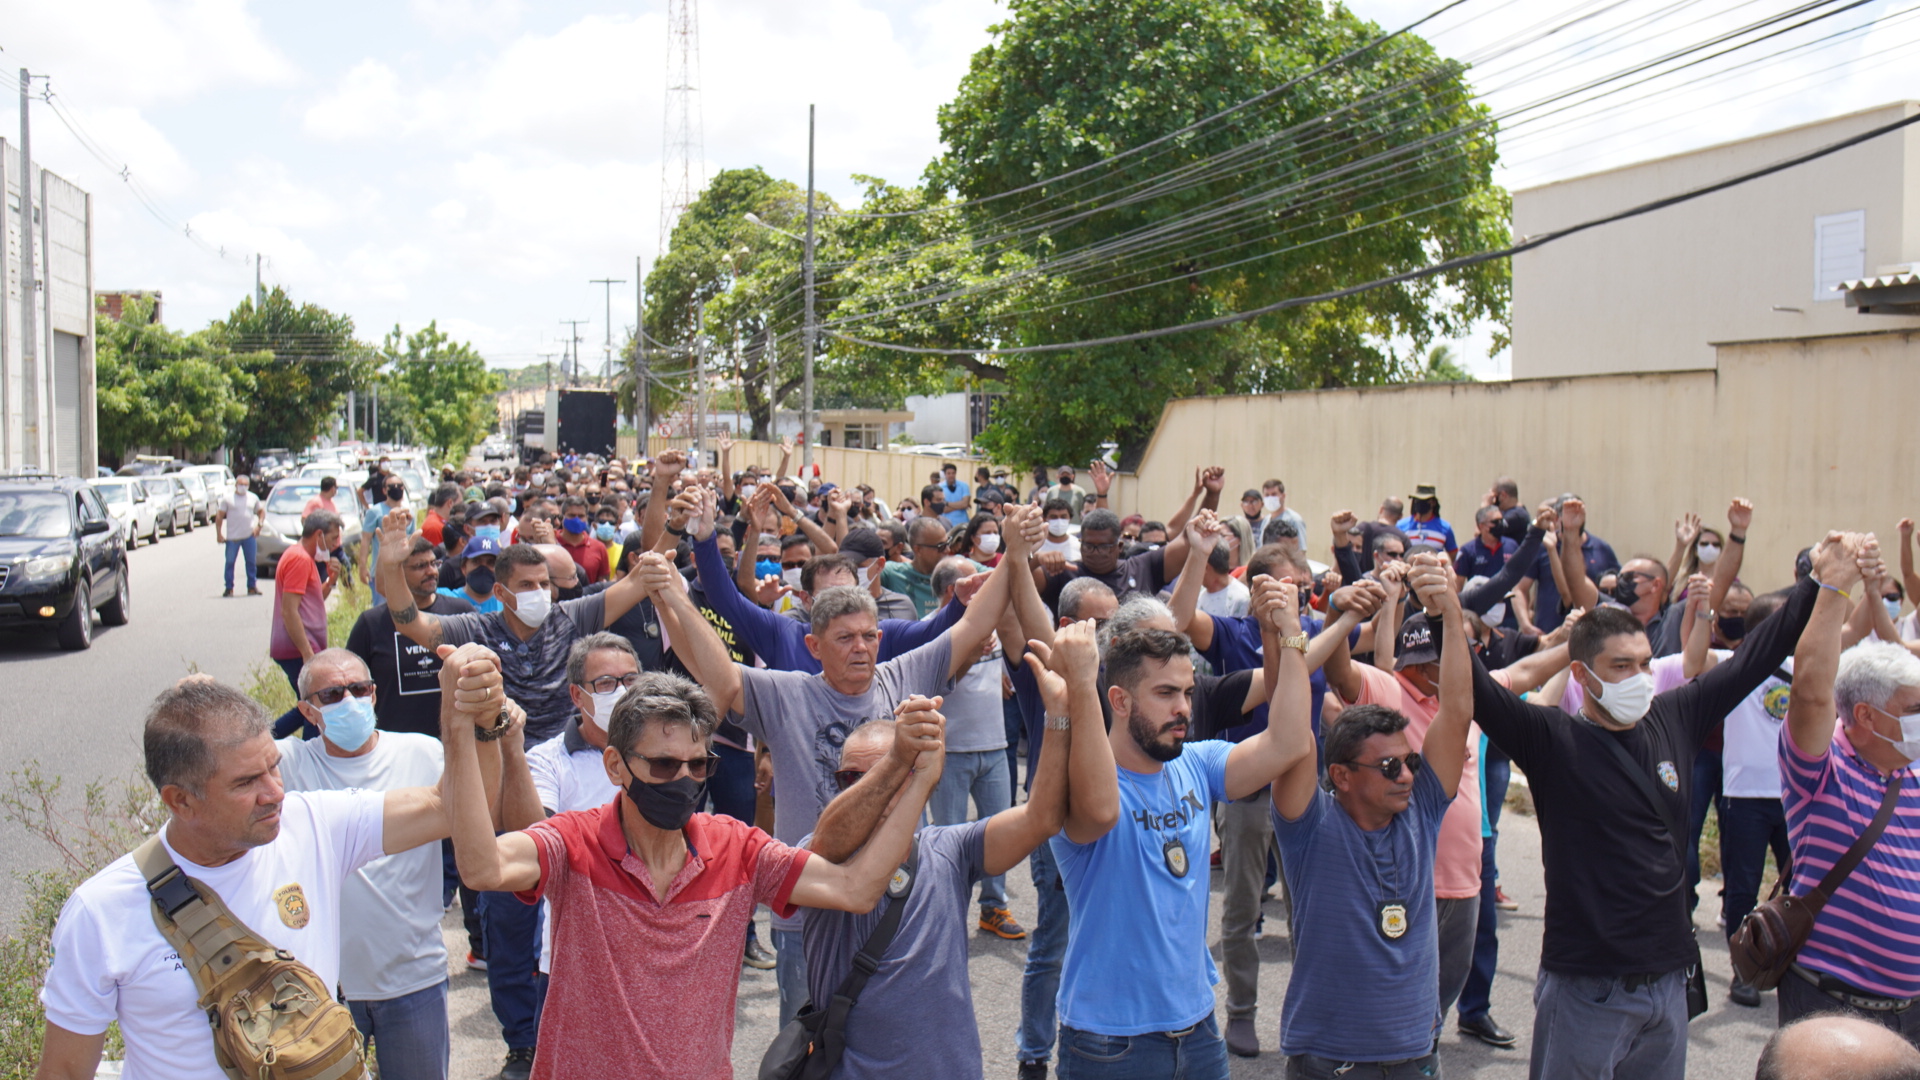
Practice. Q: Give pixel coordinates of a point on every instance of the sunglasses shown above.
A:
(607, 684)
(1389, 767)
(334, 695)
(846, 778)
(667, 768)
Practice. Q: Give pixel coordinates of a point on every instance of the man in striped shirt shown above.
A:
(1860, 958)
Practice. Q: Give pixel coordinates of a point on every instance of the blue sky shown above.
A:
(478, 161)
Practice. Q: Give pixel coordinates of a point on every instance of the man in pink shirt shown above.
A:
(649, 901)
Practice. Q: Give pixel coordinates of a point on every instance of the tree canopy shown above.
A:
(441, 391)
(302, 359)
(160, 388)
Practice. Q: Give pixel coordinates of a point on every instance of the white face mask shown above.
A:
(602, 712)
(1708, 553)
(532, 607)
(1271, 503)
(1057, 527)
(860, 577)
(791, 577)
(989, 542)
(1908, 744)
(1628, 700)
(907, 514)
(746, 490)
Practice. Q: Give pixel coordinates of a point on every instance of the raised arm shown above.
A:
(983, 612)
(1036, 622)
(1342, 678)
(421, 627)
(822, 543)
(759, 628)
(1576, 588)
(1187, 616)
(1490, 592)
(1816, 658)
(694, 640)
(1445, 749)
(1907, 575)
(506, 863)
(1256, 762)
(1727, 569)
(726, 464)
(1686, 532)
(1696, 628)
(1178, 522)
(1066, 673)
(857, 884)
(653, 523)
(1386, 624)
(848, 822)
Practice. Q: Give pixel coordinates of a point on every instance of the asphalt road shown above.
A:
(78, 715)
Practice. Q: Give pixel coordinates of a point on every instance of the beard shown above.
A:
(1157, 744)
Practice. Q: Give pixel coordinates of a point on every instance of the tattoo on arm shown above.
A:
(406, 614)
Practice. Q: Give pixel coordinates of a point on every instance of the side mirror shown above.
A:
(95, 528)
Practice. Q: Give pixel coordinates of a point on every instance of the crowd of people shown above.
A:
(616, 706)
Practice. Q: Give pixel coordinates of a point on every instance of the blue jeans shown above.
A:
(250, 547)
(1198, 1054)
(291, 721)
(409, 1033)
(790, 973)
(983, 775)
(1476, 998)
(1016, 730)
(731, 786)
(1706, 792)
(1748, 827)
(513, 979)
(1046, 946)
(1309, 1067)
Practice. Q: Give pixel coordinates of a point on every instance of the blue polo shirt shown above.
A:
(1546, 595)
(1477, 560)
(1236, 646)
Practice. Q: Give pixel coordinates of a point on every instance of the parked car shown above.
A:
(61, 557)
(196, 485)
(173, 505)
(126, 499)
(284, 507)
(219, 481)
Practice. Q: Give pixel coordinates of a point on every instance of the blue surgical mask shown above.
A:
(605, 532)
(486, 530)
(349, 722)
(1893, 606)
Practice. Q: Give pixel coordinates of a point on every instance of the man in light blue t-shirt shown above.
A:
(1365, 988)
(1136, 987)
(958, 495)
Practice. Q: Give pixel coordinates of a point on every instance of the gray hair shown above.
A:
(593, 643)
(1872, 672)
(658, 697)
(1100, 521)
(318, 522)
(329, 658)
(1138, 609)
(840, 600)
(190, 724)
(1077, 592)
(949, 571)
(872, 730)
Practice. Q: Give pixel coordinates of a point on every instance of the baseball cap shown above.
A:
(1416, 643)
(480, 545)
(477, 510)
(864, 545)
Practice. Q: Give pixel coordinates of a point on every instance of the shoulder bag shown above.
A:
(1771, 935)
(810, 1045)
(272, 1017)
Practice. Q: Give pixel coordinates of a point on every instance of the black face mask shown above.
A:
(669, 805)
(1731, 627)
(480, 581)
(572, 592)
(1423, 506)
(1626, 589)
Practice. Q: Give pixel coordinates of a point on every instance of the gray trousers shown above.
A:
(1246, 838)
(1458, 920)
(1591, 1027)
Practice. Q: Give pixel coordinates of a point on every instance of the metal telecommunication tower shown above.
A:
(682, 151)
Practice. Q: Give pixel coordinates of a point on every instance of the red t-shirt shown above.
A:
(590, 556)
(644, 985)
(431, 528)
(297, 573)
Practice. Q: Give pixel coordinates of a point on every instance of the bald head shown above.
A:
(1834, 1047)
(564, 572)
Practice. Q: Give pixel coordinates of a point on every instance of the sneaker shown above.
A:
(1000, 921)
(1259, 928)
(229, 592)
(476, 962)
(757, 957)
(1502, 901)
(1033, 1070)
(255, 592)
(519, 1064)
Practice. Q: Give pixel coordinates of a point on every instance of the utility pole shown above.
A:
(699, 385)
(259, 287)
(607, 371)
(29, 335)
(641, 399)
(806, 391)
(772, 357)
(573, 374)
(548, 357)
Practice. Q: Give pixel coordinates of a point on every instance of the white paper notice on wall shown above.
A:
(1839, 251)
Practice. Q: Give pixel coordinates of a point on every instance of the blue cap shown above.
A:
(480, 545)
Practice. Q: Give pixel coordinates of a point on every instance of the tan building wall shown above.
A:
(893, 476)
(1816, 432)
(1652, 293)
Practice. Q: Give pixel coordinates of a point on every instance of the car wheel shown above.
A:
(76, 632)
(173, 524)
(115, 611)
(189, 521)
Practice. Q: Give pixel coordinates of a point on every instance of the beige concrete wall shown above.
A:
(1817, 433)
(1651, 293)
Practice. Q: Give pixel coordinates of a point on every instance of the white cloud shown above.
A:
(145, 51)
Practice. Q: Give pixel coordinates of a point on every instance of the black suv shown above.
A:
(60, 558)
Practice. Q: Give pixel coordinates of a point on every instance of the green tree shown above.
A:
(1070, 82)
(1441, 366)
(163, 389)
(440, 391)
(302, 359)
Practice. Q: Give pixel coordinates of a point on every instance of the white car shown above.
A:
(127, 500)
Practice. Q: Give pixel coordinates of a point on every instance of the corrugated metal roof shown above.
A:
(1881, 282)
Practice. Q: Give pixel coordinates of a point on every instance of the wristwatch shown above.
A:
(1297, 641)
(499, 728)
(1057, 723)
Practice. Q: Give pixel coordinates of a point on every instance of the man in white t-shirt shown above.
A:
(237, 519)
(393, 961)
(280, 860)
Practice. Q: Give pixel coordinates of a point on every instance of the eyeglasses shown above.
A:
(1389, 767)
(846, 778)
(1109, 546)
(607, 684)
(667, 768)
(334, 695)
(430, 564)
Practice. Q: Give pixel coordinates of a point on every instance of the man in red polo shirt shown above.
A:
(649, 901)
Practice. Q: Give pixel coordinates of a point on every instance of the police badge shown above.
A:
(1175, 853)
(1393, 919)
(291, 903)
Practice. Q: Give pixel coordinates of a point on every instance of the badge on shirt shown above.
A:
(1175, 853)
(1669, 775)
(1393, 919)
(901, 881)
(1776, 700)
(291, 903)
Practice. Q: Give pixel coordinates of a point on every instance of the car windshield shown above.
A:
(158, 487)
(291, 500)
(39, 515)
(193, 483)
(114, 494)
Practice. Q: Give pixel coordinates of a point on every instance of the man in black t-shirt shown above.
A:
(408, 674)
(1142, 574)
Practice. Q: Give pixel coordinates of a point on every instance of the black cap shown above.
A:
(864, 545)
(477, 510)
(1416, 644)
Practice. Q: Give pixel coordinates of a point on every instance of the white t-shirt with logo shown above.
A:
(567, 780)
(1227, 602)
(1751, 758)
(390, 909)
(110, 962)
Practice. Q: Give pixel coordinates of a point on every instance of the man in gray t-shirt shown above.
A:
(804, 719)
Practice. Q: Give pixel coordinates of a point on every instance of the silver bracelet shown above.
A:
(1057, 723)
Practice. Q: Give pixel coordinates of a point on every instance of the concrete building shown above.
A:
(113, 302)
(1756, 262)
(46, 378)
(956, 417)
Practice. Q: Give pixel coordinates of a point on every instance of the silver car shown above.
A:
(174, 506)
(286, 505)
(126, 499)
(196, 485)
